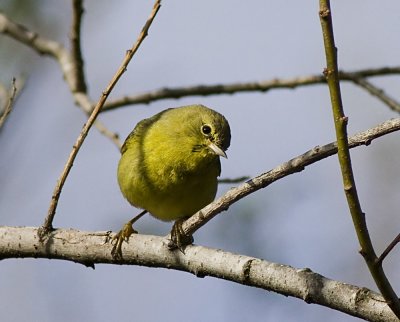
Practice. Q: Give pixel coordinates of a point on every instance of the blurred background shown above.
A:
(302, 220)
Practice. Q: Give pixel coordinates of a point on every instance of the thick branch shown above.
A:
(91, 248)
(340, 120)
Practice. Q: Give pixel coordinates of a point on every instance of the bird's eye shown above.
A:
(206, 129)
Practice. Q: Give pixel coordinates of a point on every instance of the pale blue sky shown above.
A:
(301, 220)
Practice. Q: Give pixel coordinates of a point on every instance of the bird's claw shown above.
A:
(179, 239)
(117, 240)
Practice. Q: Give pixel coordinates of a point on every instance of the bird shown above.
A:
(169, 167)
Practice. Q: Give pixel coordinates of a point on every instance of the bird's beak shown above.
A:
(217, 150)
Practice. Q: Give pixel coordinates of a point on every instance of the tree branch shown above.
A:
(90, 248)
(388, 249)
(76, 51)
(48, 222)
(233, 180)
(259, 86)
(9, 97)
(294, 165)
(9, 100)
(377, 92)
(57, 51)
(66, 61)
(340, 120)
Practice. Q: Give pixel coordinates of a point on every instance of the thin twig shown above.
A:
(294, 165)
(377, 92)
(48, 223)
(114, 137)
(388, 249)
(76, 52)
(11, 95)
(233, 180)
(67, 63)
(340, 120)
(258, 86)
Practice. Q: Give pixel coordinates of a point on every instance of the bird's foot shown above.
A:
(123, 235)
(179, 239)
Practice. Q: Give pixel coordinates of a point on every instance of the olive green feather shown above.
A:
(170, 161)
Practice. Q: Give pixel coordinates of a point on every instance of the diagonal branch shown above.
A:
(340, 120)
(9, 98)
(41, 45)
(66, 61)
(377, 92)
(388, 249)
(48, 223)
(90, 248)
(294, 165)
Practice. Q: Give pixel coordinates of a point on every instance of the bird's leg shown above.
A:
(123, 235)
(179, 239)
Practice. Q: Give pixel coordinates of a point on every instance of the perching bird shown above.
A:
(170, 164)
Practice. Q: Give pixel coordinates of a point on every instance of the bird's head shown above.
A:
(211, 130)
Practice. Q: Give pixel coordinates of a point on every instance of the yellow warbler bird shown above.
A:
(170, 164)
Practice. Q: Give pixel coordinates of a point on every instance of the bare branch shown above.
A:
(90, 248)
(72, 72)
(294, 165)
(48, 223)
(389, 249)
(340, 120)
(41, 45)
(258, 86)
(57, 51)
(114, 137)
(233, 180)
(9, 98)
(76, 52)
(377, 92)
